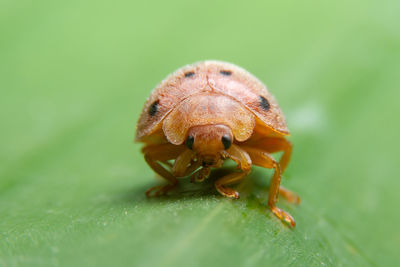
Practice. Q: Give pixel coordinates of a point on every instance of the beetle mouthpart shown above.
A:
(207, 163)
(212, 161)
(208, 160)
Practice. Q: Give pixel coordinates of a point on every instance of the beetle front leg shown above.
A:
(263, 159)
(272, 145)
(154, 154)
(184, 165)
(244, 164)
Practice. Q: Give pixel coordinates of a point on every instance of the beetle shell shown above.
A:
(237, 99)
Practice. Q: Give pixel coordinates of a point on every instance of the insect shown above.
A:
(208, 112)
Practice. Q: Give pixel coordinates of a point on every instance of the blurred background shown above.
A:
(74, 76)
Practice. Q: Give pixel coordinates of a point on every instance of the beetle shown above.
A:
(210, 111)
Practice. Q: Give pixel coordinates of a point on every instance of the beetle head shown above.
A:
(208, 141)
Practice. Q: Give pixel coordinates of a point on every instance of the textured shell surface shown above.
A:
(209, 78)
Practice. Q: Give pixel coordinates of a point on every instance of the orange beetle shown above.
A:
(208, 112)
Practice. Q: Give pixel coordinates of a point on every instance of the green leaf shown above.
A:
(74, 76)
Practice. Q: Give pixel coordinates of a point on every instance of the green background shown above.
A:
(75, 74)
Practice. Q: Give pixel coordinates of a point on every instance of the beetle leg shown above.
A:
(277, 144)
(200, 175)
(183, 163)
(154, 154)
(289, 195)
(243, 161)
(272, 145)
(263, 159)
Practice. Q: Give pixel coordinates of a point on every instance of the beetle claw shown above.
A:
(228, 192)
(284, 216)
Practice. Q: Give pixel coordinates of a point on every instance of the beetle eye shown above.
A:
(189, 142)
(226, 141)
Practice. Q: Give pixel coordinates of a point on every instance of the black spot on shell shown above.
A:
(226, 141)
(264, 103)
(190, 141)
(189, 74)
(153, 108)
(226, 72)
